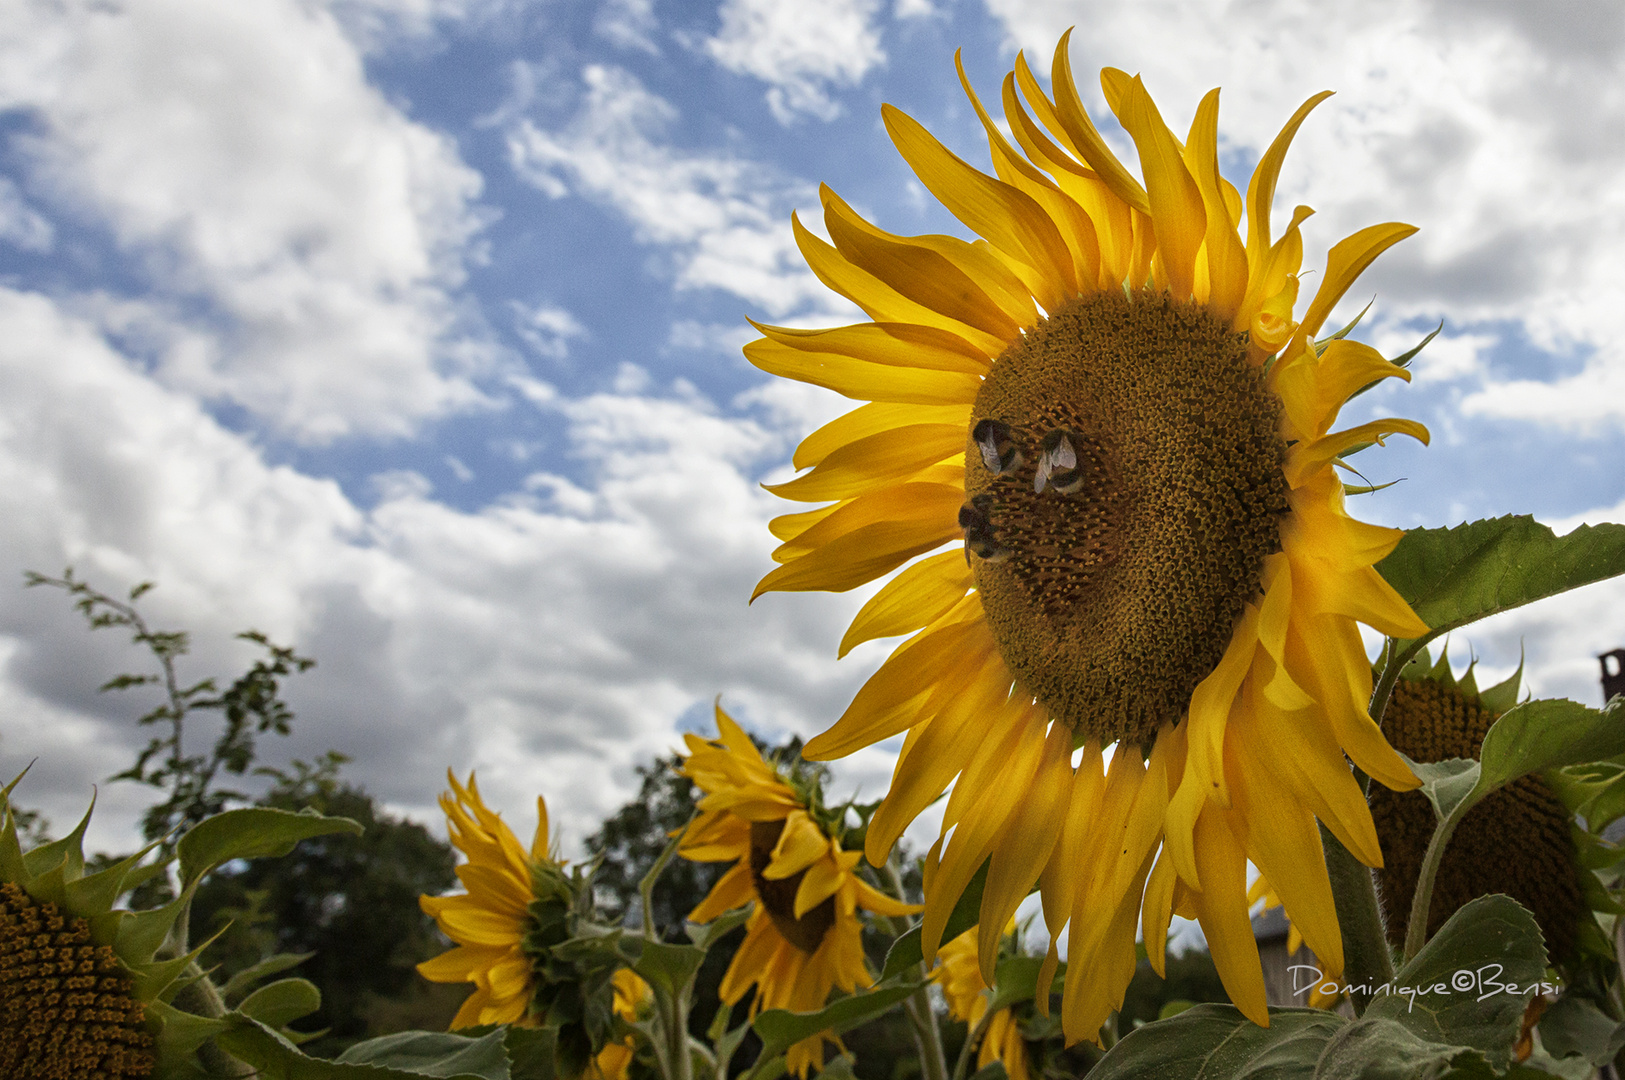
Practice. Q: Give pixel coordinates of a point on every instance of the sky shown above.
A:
(407, 332)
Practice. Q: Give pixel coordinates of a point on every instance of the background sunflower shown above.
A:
(804, 936)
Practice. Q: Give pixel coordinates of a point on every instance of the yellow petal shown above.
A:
(1011, 221)
(1226, 256)
(1080, 132)
(822, 879)
(1346, 261)
(913, 599)
(732, 890)
(863, 379)
(801, 843)
(1261, 188)
(1306, 458)
(872, 419)
(1222, 911)
(1176, 201)
(885, 457)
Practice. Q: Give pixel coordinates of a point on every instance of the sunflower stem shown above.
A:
(1367, 963)
(973, 1038)
(917, 1007)
(1416, 932)
(674, 1059)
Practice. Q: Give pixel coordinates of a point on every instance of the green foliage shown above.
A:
(1455, 1010)
(250, 707)
(1456, 576)
(348, 901)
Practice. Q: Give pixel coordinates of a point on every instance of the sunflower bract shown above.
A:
(1139, 665)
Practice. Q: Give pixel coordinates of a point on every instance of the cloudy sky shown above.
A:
(407, 331)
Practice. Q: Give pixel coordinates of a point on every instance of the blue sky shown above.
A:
(407, 331)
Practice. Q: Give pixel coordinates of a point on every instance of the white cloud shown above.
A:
(20, 224)
(803, 50)
(628, 24)
(1495, 127)
(237, 153)
(551, 640)
(547, 328)
(724, 220)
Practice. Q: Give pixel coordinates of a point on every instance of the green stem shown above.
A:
(673, 1057)
(921, 1016)
(972, 1038)
(201, 997)
(1366, 959)
(1416, 933)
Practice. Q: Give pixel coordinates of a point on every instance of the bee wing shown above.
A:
(1055, 456)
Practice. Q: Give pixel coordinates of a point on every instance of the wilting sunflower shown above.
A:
(804, 937)
(1109, 407)
(960, 976)
(1518, 841)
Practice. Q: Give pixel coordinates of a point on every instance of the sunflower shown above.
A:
(1145, 635)
(960, 976)
(1518, 841)
(517, 906)
(804, 937)
(490, 921)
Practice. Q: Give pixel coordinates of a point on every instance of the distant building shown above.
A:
(1613, 674)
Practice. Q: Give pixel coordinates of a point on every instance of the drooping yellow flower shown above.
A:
(804, 937)
(960, 975)
(489, 921)
(1323, 993)
(1110, 401)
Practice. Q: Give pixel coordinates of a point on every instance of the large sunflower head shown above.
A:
(804, 937)
(517, 907)
(1517, 841)
(1113, 411)
(86, 990)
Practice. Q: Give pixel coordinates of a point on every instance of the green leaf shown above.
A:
(1446, 783)
(1016, 979)
(1541, 735)
(780, 1029)
(271, 965)
(436, 1053)
(705, 935)
(68, 853)
(1470, 984)
(530, 1053)
(282, 1002)
(1209, 1042)
(1452, 577)
(1573, 1025)
(253, 833)
(278, 1059)
(669, 968)
(905, 952)
(1374, 1048)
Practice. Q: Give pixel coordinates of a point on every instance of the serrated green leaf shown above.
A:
(1208, 1042)
(905, 952)
(530, 1053)
(251, 833)
(282, 1002)
(1573, 1025)
(1452, 577)
(1541, 735)
(1376, 1048)
(436, 1053)
(780, 1029)
(1470, 984)
(240, 983)
(1446, 783)
(278, 1059)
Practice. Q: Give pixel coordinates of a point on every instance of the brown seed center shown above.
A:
(65, 1007)
(1124, 483)
(778, 895)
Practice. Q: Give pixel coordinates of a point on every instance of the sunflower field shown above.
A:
(1151, 667)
